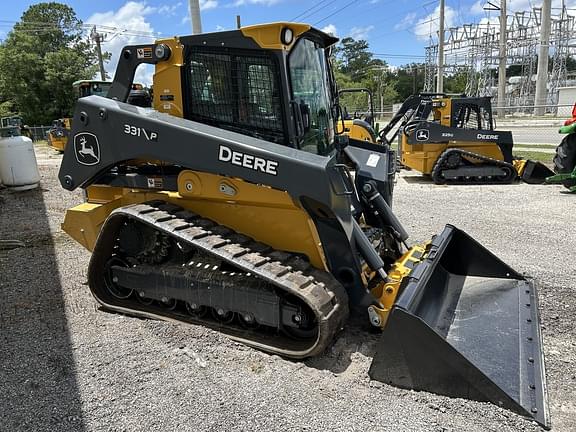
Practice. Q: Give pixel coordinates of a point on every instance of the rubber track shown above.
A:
(438, 168)
(324, 295)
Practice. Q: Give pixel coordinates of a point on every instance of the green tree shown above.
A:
(456, 83)
(409, 80)
(355, 59)
(40, 59)
(356, 67)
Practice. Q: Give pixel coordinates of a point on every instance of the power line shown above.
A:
(336, 11)
(412, 56)
(36, 26)
(316, 5)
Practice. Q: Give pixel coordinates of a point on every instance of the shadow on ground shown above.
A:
(37, 371)
(421, 179)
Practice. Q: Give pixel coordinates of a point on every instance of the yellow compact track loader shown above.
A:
(453, 140)
(358, 125)
(58, 134)
(234, 205)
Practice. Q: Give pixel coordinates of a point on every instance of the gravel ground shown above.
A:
(67, 366)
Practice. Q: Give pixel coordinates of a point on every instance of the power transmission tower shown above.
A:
(476, 50)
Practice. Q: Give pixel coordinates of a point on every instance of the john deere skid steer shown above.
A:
(453, 140)
(234, 205)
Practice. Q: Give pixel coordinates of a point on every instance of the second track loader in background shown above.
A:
(233, 204)
(453, 140)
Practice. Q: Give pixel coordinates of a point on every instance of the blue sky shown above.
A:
(397, 30)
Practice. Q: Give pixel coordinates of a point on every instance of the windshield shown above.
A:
(310, 90)
(97, 88)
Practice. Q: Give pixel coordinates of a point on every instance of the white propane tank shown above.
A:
(18, 166)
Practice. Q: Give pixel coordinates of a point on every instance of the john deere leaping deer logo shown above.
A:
(422, 135)
(86, 148)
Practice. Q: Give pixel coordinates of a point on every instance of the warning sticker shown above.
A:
(373, 160)
(143, 53)
(155, 182)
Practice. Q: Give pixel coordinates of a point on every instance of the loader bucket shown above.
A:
(466, 325)
(535, 172)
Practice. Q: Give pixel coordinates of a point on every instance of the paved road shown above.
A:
(535, 135)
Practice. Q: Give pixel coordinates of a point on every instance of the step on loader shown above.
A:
(234, 204)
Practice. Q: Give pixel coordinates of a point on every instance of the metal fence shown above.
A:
(39, 132)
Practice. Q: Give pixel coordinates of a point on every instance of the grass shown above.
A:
(536, 156)
(542, 146)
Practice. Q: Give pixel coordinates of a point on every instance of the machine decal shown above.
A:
(487, 137)
(373, 160)
(143, 53)
(422, 135)
(140, 132)
(86, 148)
(246, 160)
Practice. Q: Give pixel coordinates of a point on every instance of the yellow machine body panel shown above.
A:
(260, 212)
(269, 36)
(168, 81)
(442, 110)
(355, 131)
(422, 157)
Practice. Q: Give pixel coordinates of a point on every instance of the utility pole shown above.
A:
(440, 76)
(542, 74)
(238, 24)
(98, 38)
(195, 16)
(502, 61)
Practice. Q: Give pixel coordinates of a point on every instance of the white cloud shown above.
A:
(492, 20)
(430, 24)
(406, 22)
(168, 9)
(478, 7)
(255, 2)
(360, 32)
(330, 29)
(130, 27)
(208, 4)
(220, 28)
